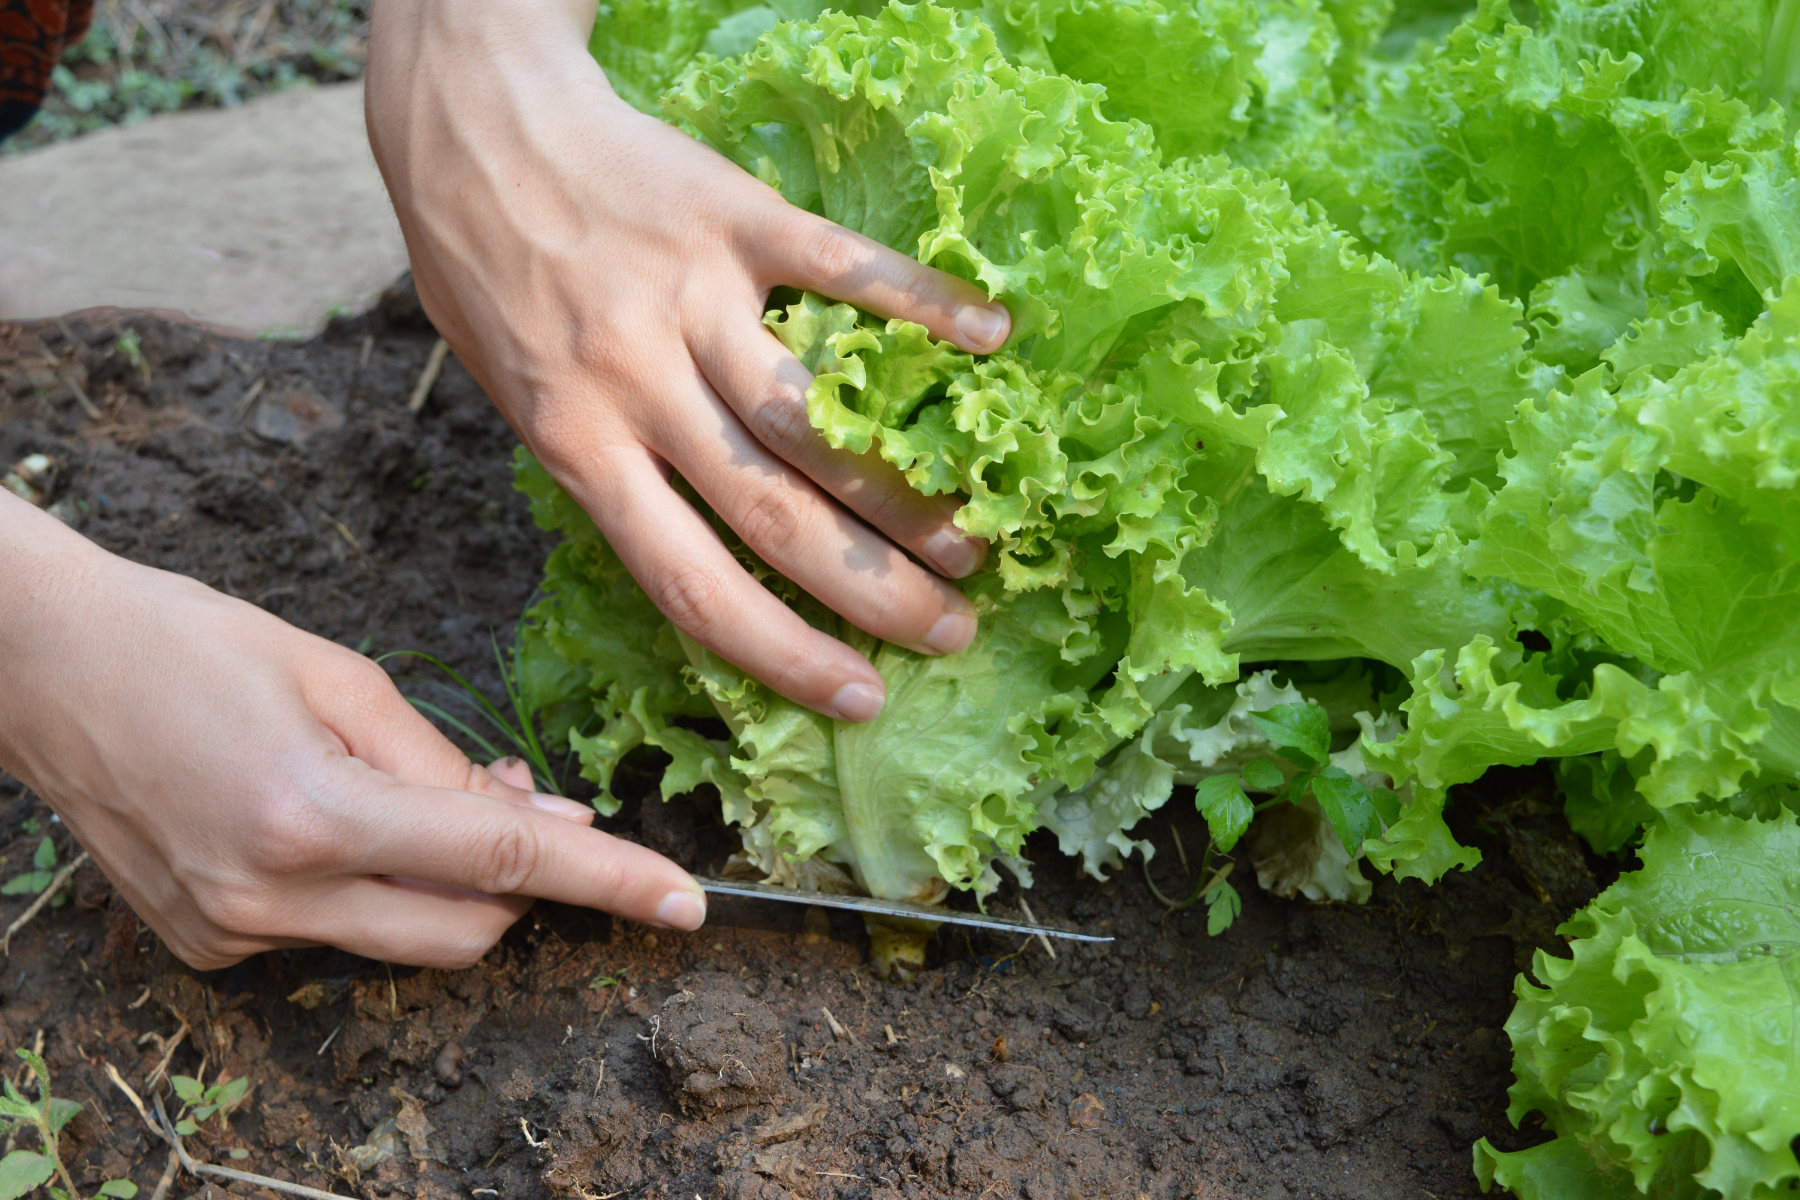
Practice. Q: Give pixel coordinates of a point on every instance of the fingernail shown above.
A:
(952, 633)
(954, 554)
(857, 702)
(558, 806)
(980, 325)
(682, 910)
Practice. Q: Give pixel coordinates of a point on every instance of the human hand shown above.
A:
(248, 786)
(604, 277)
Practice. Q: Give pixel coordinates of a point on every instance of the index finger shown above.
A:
(807, 251)
(466, 840)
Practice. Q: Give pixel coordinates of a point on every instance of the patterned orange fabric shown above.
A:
(33, 36)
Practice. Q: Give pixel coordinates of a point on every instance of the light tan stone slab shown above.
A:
(263, 217)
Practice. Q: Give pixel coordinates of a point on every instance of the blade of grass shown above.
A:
(474, 692)
(515, 693)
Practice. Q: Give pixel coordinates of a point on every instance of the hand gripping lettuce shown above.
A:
(1219, 435)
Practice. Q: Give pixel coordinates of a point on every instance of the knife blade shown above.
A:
(887, 908)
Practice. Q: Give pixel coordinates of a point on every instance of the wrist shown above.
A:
(53, 575)
(444, 71)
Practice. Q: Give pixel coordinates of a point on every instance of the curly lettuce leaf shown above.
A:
(1662, 1053)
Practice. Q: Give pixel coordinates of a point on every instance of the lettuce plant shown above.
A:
(1662, 1053)
(1432, 371)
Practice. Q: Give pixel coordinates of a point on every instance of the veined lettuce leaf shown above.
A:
(1663, 1052)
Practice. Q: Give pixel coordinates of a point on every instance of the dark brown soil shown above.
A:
(1320, 1051)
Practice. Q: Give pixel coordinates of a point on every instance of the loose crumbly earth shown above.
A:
(1322, 1051)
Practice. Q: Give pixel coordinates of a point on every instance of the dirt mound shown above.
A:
(719, 1048)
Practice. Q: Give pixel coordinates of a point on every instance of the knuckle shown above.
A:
(919, 287)
(510, 859)
(887, 509)
(608, 881)
(689, 596)
(290, 835)
(597, 348)
(835, 258)
(886, 609)
(780, 422)
(364, 677)
(468, 947)
(234, 910)
(771, 522)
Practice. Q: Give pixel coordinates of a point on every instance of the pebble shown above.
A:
(1086, 1111)
(447, 1070)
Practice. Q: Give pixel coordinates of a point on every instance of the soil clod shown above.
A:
(447, 1068)
(718, 1047)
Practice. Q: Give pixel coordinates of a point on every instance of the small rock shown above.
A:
(238, 498)
(290, 417)
(1086, 1111)
(1021, 1087)
(384, 1142)
(1463, 1128)
(317, 992)
(447, 1070)
(32, 478)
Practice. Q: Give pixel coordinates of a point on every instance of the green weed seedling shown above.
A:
(25, 1171)
(205, 1102)
(43, 863)
(1300, 735)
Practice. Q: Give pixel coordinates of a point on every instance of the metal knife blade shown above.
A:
(886, 908)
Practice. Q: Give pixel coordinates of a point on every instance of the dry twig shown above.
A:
(247, 399)
(137, 1102)
(168, 1177)
(198, 1169)
(168, 1049)
(44, 897)
(838, 1029)
(434, 366)
(1025, 907)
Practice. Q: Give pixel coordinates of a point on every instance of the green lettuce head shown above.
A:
(1463, 355)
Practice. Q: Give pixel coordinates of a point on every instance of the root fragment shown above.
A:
(57, 884)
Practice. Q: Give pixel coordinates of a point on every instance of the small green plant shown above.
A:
(132, 347)
(24, 1171)
(1300, 735)
(43, 872)
(606, 981)
(204, 1102)
(520, 731)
